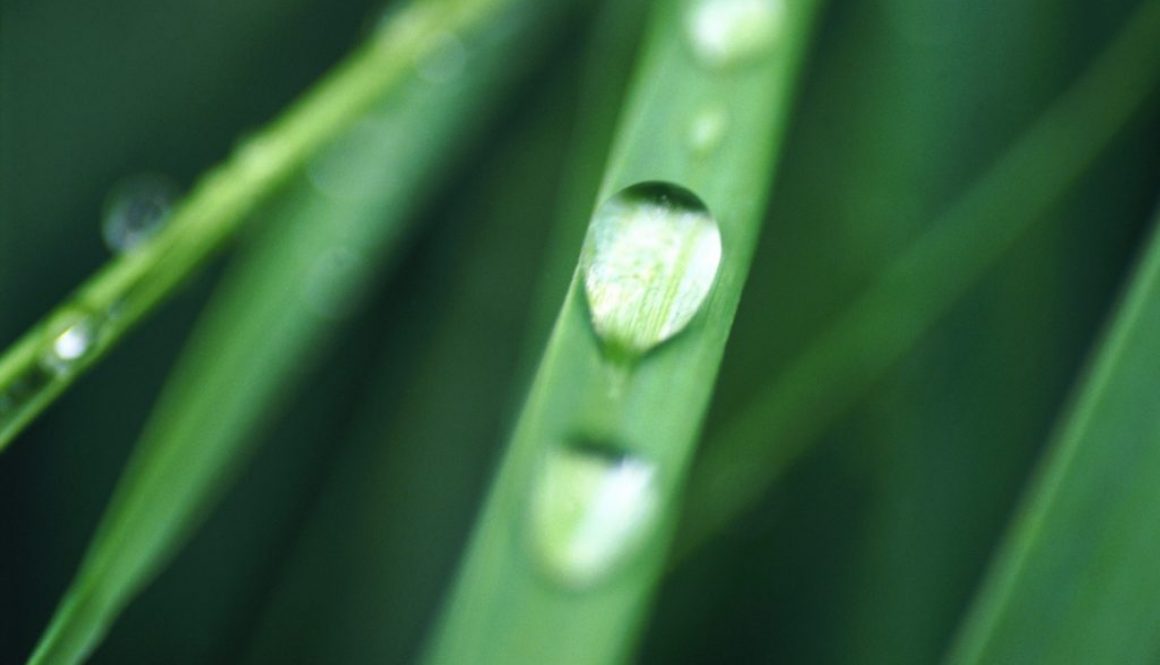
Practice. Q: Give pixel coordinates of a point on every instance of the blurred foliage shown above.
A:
(338, 542)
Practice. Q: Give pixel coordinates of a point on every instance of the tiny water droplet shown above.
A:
(136, 210)
(19, 394)
(649, 263)
(70, 343)
(592, 507)
(708, 128)
(730, 32)
(445, 61)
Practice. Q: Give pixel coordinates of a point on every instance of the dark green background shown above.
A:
(869, 550)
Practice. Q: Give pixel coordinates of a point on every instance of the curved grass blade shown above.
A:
(281, 300)
(55, 352)
(1076, 580)
(785, 418)
(574, 534)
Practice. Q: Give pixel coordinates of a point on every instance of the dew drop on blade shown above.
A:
(648, 264)
(591, 509)
(20, 393)
(136, 210)
(70, 343)
(724, 33)
(707, 129)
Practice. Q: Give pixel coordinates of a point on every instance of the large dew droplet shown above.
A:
(649, 263)
(136, 210)
(591, 509)
(724, 33)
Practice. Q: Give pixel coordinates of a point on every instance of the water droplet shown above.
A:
(708, 128)
(730, 32)
(136, 210)
(592, 508)
(71, 343)
(445, 61)
(649, 263)
(20, 393)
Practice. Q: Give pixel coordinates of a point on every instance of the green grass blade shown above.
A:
(1076, 580)
(282, 299)
(697, 121)
(841, 365)
(356, 562)
(379, 591)
(55, 352)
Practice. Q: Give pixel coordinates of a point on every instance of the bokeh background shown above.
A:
(341, 536)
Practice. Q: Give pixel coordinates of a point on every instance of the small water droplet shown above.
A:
(592, 508)
(708, 128)
(649, 263)
(445, 61)
(20, 393)
(729, 32)
(71, 343)
(136, 210)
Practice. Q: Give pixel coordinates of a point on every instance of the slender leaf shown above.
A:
(280, 302)
(1075, 581)
(613, 395)
(901, 305)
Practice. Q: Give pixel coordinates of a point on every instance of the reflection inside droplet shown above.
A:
(649, 262)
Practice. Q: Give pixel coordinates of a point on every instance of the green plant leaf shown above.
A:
(914, 290)
(1075, 580)
(43, 363)
(574, 534)
(285, 295)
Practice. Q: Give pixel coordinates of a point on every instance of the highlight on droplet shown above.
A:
(70, 344)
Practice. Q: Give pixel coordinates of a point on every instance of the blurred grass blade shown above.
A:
(50, 356)
(1076, 581)
(574, 534)
(902, 304)
(333, 232)
(378, 591)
